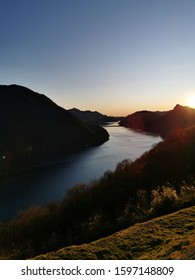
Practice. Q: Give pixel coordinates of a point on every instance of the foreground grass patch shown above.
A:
(168, 237)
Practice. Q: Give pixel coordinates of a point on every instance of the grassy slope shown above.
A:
(167, 237)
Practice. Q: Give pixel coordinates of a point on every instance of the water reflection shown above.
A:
(50, 183)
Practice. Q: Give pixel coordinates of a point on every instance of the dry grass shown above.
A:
(167, 237)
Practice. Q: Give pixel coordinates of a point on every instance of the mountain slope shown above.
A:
(142, 120)
(161, 123)
(161, 181)
(31, 125)
(93, 117)
(167, 237)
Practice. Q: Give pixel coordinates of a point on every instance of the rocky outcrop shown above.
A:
(32, 125)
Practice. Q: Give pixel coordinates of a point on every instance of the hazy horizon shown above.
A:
(114, 57)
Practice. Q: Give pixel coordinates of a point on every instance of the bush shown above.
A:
(134, 192)
(163, 200)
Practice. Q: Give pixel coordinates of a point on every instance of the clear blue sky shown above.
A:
(114, 56)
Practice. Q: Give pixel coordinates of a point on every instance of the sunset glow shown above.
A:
(191, 101)
(115, 57)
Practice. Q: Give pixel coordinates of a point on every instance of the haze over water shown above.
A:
(50, 183)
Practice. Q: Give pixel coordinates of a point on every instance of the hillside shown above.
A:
(93, 117)
(168, 237)
(158, 183)
(141, 120)
(33, 126)
(161, 123)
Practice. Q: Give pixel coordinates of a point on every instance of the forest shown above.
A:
(161, 181)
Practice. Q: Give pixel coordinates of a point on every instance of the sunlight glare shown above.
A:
(191, 101)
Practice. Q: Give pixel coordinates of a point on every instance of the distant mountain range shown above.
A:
(161, 123)
(32, 126)
(93, 117)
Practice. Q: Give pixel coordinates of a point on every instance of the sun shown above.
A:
(191, 101)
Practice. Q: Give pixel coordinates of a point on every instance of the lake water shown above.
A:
(43, 185)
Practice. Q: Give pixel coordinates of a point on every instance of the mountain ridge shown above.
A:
(93, 117)
(162, 123)
(32, 125)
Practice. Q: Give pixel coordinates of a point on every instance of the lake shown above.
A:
(40, 186)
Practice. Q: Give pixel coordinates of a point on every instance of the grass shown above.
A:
(168, 237)
(158, 183)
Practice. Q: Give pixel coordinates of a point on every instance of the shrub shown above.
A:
(163, 200)
(120, 198)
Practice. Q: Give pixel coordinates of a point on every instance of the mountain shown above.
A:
(32, 126)
(93, 117)
(142, 120)
(179, 117)
(161, 123)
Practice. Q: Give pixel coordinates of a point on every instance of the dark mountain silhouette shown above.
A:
(93, 117)
(142, 120)
(179, 117)
(32, 125)
(161, 123)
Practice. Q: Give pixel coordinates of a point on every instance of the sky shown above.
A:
(111, 56)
